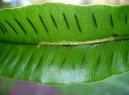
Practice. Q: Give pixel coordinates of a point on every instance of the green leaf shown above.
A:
(115, 85)
(55, 43)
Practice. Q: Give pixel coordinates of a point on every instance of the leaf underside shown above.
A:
(24, 56)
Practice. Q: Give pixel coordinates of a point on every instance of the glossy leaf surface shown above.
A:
(64, 44)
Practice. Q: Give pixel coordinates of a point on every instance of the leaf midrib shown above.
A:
(71, 43)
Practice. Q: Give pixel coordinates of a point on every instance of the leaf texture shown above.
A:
(55, 43)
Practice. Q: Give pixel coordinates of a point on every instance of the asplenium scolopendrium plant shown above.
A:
(55, 43)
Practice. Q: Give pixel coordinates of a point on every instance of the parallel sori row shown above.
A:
(60, 22)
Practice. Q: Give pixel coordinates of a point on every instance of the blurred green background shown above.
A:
(115, 85)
